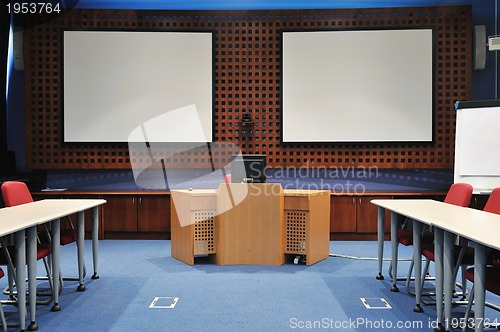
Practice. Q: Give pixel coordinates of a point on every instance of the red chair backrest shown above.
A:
(493, 203)
(459, 194)
(15, 193)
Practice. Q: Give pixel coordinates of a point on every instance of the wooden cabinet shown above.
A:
(137, 216)
(354, 214)
(154, 214)
(355, 218)
(120, 214)
(342, 214)
(367, 215)
(71, 220)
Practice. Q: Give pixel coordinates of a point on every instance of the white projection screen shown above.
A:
(357, 86)
(117, 81)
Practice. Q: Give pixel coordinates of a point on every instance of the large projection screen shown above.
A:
(357, 86)
(119, 82)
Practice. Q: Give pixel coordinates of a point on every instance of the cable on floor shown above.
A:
(368, 258)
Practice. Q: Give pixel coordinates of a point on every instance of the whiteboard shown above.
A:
(477, 147)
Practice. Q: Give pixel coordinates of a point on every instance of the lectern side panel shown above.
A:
(182, 237)
(192, 223)
(318, 229)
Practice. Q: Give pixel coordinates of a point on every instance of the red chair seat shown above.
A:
(405, 237)
(492, 283)
(494, 258)
(43, 250)
(68, 236)
(468, 259)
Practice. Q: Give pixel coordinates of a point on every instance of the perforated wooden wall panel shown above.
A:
(247, 80)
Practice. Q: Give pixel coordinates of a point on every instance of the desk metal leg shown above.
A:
(438, 253)
(56, 243)
(394, 249)
(480, 253)
(20, 247)
(80, 248)
(31, 258)
(417, 260)
(448, 263)
(380, 238)
(95, 239)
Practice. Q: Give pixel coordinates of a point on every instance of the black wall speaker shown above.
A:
(479, 54)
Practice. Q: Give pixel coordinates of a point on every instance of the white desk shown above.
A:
(448, 220)
(15, 220)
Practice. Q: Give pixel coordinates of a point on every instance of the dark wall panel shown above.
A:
(247, 80)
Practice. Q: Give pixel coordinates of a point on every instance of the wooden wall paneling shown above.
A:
(247, 79)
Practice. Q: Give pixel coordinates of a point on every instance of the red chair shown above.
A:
(17, 193)
(2, 315)
(492, 280)
(459, 194)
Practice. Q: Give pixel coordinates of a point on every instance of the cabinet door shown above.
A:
(367, 215)
(120, 214)
(342, 214)
(154, 214)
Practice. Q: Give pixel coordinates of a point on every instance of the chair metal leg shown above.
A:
(11, 292)
(11, 276)
(2, 317)
(467, 310)
(462, 286)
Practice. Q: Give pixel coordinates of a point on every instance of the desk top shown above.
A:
(15, 218)
(476, 225)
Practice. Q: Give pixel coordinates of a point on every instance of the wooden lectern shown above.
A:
(255, 223)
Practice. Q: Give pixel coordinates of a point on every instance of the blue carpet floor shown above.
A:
(324, 296)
